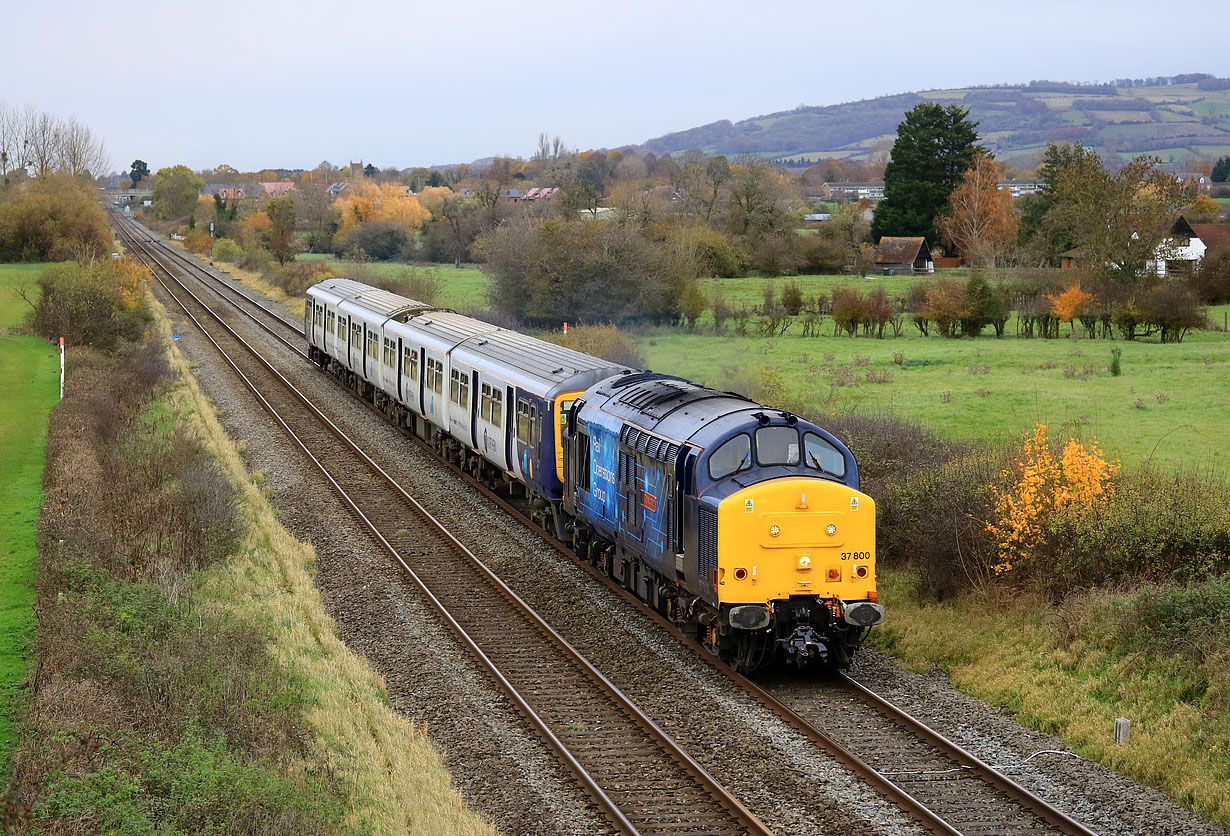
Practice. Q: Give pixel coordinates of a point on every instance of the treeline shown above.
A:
(1040, 303)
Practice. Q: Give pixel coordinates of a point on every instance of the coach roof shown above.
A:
(381, 303)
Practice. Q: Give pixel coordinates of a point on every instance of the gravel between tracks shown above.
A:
(499, 765)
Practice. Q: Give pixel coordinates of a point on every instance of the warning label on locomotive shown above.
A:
(649, 500)
(749, 505)
(854, 503)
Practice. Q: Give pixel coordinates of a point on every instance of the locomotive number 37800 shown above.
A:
(856, 555)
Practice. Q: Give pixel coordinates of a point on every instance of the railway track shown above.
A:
(642, 780)
(941, 786)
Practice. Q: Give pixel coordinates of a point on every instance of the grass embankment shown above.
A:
(389, 765)
(29, 378)
(189, 680)
(1158, 655)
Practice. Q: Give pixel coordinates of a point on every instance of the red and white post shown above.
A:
(61, 368)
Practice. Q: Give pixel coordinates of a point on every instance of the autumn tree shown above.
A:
(281, 211)
(1039, 236)
(53, 218)
(979, 222)
(386, 208)
(701, 184)
(175, 191)
(1069, 304)
(455, 215)
(1203, 209)
(935, 146)
(1120, 221)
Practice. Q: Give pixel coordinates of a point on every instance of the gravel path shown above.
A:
(499, 765)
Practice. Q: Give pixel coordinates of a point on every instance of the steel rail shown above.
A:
(745, 818)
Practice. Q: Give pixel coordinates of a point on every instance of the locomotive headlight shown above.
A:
(832, 529)
(775, 530)
(804, 562)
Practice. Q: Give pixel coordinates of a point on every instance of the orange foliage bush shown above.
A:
(1042, 487)
(1070, 303)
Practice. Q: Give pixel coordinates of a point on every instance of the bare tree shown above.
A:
(42, 140)
(80, 154)
(12, 134)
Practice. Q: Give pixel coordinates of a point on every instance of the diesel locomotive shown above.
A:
(742, 524)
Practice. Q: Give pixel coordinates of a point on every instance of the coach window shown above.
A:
(410, 363)
(777, 445)
(356, 335)
(341, 327)
(389, 355)
(731, 457)
(484, 403)
(497, 407)
(372, 342)
(437, 376)
(523, 421)
(822, 455)
(329, 317)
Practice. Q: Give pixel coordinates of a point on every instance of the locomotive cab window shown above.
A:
(731, 457)
(777, 445)
(822, 455)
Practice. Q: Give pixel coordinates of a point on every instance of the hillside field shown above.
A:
(1177, 122)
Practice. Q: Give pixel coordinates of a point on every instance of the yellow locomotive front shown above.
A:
(796, 565)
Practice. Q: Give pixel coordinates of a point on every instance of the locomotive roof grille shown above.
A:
(651, 445)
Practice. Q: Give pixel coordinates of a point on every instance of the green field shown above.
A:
(461, 288)
(28, 377)
(1165, 407)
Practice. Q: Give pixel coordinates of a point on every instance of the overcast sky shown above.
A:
(261, 84)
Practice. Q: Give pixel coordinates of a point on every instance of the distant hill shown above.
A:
(1177, 118)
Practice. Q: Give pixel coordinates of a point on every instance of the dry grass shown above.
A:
(257, 282)
(387, 762)
(1056, 668)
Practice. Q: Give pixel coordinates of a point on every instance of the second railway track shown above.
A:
(941, 786)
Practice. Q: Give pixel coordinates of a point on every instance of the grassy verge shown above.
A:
(1158, 655)
(389, 765)
(188, 679)
(28, 377)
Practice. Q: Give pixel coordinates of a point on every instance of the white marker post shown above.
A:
(61, 368)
